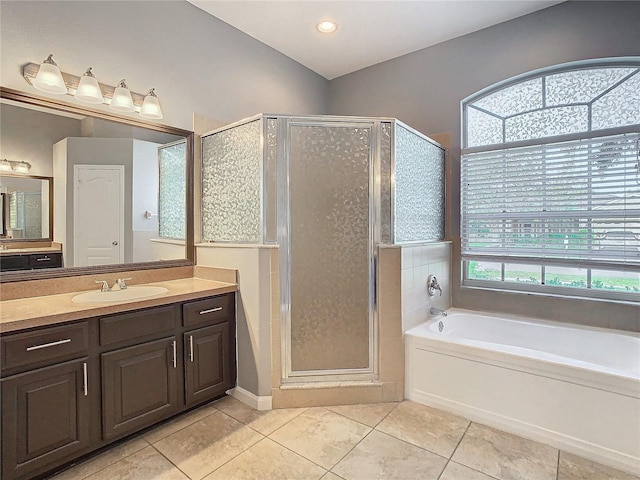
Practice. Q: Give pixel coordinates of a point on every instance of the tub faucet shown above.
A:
(437, 311)
(433, 285)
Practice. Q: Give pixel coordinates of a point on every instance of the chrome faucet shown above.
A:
(437, 311)
(105, 285)
(121, 282)
(433, 285)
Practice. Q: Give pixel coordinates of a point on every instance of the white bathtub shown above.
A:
(576, 388)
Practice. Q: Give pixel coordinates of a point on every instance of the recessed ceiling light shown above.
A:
(327, 26)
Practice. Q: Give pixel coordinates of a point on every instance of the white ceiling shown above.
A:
(369, 32)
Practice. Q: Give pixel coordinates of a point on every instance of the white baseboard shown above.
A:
(254, 401)
(558, 440)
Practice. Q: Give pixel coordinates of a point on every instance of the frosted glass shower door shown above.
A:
(330, 261)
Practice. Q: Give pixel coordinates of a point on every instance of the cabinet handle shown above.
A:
(211, 310)
(85, 378)
(47, 345)
(43, 259)
(175, 357)
(191, 347)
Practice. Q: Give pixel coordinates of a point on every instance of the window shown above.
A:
(550, 183)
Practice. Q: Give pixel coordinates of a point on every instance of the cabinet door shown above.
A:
(45, 417)
(208, 371)
(139, 386)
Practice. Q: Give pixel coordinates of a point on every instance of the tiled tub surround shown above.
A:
(574, 387)
(418, 262)
(228, 440)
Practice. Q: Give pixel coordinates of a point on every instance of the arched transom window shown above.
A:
(550, 182)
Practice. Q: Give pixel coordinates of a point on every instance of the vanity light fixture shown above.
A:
(14, 166)
(151, 106)
(121, 100)
(49, 78)
(327, 26)
(88, 89)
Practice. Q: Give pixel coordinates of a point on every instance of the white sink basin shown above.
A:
(114, 296)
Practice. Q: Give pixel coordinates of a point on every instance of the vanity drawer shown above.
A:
(45, 260)
(137, 326)
(45, 345)
(208, 311)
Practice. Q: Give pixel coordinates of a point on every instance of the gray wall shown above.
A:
(425, 88)
(196, 62)
(29, 135)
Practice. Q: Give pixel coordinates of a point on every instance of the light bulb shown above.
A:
(88, 89)
(151, 106)
(121, 100)
(327, 26)
(49, 78)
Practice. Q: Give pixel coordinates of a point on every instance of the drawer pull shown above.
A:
(43, 259)
(175, 355)
(85, 379)
(47, 345)
(191, 347)
(211, 310)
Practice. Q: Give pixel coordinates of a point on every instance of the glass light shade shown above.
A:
(88, 89)
(23, 167)
(121, 100)
(49, 78)
(151, 106)
(5, 166)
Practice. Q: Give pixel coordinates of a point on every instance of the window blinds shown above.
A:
(576, 200)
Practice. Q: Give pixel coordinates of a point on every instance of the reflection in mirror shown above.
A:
(25, 207)
(119, 189)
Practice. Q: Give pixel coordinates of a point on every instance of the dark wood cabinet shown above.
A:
(45, 417)
(30, 261)
(72, 388)
(139, 386)
(208, 369)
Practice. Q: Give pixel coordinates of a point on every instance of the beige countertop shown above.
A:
(18, 251)
(52, 309)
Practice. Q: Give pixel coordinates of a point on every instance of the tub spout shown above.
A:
(437, 311)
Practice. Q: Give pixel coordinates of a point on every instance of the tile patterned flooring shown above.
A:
(226, 440)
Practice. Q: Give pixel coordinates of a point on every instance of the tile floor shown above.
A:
(226, 440)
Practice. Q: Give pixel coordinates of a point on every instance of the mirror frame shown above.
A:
(54, 104)
(4, 211)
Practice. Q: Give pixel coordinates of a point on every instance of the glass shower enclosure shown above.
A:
(328, 191)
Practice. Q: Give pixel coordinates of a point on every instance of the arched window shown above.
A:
(550, 182)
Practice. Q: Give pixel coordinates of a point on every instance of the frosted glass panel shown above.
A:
(329, 244)
(385, 184)
(581, 86)
(271, 179)
(547, 123)
(512, 100)
(419, 189)
(619, 107)
(172, 190)
(231, 184)
(482, 129)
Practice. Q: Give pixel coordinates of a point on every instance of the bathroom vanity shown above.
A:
(70, 387)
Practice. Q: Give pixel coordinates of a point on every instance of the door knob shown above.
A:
(115, 242)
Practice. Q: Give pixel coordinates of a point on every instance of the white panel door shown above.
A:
(98, 209)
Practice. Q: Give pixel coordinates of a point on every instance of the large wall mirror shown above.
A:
(115, 193)
(25, 201)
